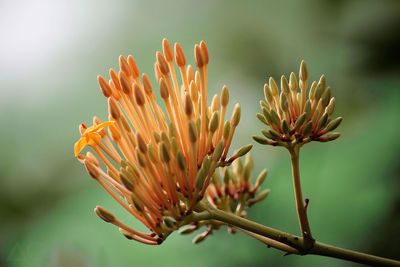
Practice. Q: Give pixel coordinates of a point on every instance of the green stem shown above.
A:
(295, 241)
(301, 211)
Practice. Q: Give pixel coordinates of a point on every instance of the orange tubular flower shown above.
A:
(158, 166)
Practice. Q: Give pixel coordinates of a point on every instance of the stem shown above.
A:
(295, 241)
(301, 211)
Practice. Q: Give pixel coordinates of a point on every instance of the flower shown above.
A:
(158, 165)
(294, 119)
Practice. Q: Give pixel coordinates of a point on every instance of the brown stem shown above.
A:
(301, 211)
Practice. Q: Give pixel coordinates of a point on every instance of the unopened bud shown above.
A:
(104, 214)
(333, 124)
(293, 82)
(273, 87)
(91, 169)
(261, 140)
(213, 125)
(261, 178)
(198, 238)
(329, 137)
(224, 96)
(268, 93)
(300, 120)
(307, 129)
(235, 115)
(242, 151)
(285, 85)
(192, 131)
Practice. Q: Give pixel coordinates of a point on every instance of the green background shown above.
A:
(52, 51)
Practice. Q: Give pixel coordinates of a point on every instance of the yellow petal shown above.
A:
(80, 145)
(100, 126)
(93, 138)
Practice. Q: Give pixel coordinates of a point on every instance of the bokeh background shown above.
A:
(52, 51)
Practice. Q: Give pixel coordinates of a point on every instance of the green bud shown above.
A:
(261, 196)
(152, 153)
(187, 230)
(213, 125)
(238, 166)
(273, 86)
(157, 137)
(261, 177)
(268, 93)
(300, 120)
(293, 82)
(249, 161)
(192, 132)
(163, 152)
(224, 96)
(137, 203)
(217, 152)
(274, 134)
(247, 173)
(235, 115)
(126, 182)
(263, 104)
(172, 130)
(329, 137)
(307, 129)
(174, 146)
(226, 130)
(285, 85)
(323, 121)
(227, 177)
(267, 116)
(285, 127)
(200, 178)
(284, 102)
(331, 106)
(262, 118)
(333, 124)
(311, 94)
(181, 161)
(326, 96)
(198, 238)
(275, 118)
(260, 140)
(267, 134)
(242, 151)
(307, 109)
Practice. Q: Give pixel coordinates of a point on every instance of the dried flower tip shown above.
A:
(123, 64)
(162, 63)
(104, 86)
(91, 169)
(236, 115)
(180, 56)
(188, 105)
(113, 108)
(194, 93)
(140, 99)
(204, 50)
(104, 214)
(224, 96)
(187, 230)
(141, 143)
(146, 84)
(125, 83)
(163, 89)
(92, 158)
(167, 49)
(199, 57)
(114, 133)
(134, 68)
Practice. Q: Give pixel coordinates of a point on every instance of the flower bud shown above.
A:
(104, 214)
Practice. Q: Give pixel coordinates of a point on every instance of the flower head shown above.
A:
(159, 163)
(294, 119)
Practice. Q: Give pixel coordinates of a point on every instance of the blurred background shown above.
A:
(52, 51)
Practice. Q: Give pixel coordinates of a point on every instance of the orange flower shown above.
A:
(90, 136)
(159, 165)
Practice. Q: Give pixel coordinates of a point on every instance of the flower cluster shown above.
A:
(158, 166)
(233, 194)
(294, 119)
